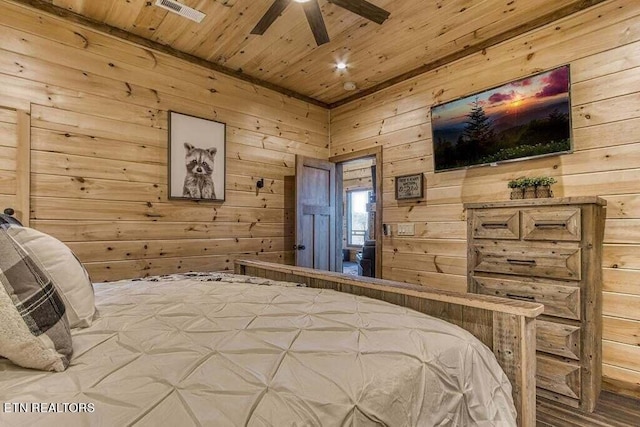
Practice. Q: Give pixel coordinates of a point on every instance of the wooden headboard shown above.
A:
(507, 327)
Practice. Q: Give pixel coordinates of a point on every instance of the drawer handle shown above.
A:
(496, 226)
(550, 225)
(522, 297)
(521, 261)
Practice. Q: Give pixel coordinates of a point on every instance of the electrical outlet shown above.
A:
(406, 229)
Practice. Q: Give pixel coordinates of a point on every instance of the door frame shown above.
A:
(339, 160)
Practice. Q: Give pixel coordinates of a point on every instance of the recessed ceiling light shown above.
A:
(301, 1)
(350, 86)
(341, 66)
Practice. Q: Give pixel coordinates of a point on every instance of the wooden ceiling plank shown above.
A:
(77, 6)
(326, 78)
(148, 20)
(210, 28)
(169, 29)
(287, 61)
(448, 38)
(285, 40)
(439, 44)
(291, 31)
(219, 19)
(418, 36)
(270, 65)
(123, 14)
(227, 3)
(97, 10)
(329, 89)
(349, 30)
(363, 8)
(231, 34)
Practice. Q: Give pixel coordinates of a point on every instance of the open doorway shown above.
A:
(358, 218)
(359, 222)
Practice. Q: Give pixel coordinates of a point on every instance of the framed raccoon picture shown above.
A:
(197, 152)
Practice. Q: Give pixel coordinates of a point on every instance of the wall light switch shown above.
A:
(406, 229)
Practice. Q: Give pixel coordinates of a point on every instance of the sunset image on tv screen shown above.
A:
(525, 118)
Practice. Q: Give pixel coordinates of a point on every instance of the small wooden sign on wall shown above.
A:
(409, 187)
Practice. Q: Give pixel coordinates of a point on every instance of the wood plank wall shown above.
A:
(356, 175)
(8, 145)
(99, 150)
(602, 45)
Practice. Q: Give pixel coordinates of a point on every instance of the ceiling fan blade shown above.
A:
(270, 16)
(316, 22)
(364, 9)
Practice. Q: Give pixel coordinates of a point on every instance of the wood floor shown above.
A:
(612, 411)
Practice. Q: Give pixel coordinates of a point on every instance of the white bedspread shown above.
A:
(223, 350)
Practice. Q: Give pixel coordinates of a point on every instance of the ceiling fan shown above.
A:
(314, 15)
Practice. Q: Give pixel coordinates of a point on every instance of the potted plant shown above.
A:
(517, 188)
(543, 186)
(531, 188)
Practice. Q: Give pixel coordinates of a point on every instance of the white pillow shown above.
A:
(68, 274)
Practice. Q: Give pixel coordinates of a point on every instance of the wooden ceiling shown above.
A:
(418, 36)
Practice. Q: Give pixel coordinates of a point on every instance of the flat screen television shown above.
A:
(526, 118)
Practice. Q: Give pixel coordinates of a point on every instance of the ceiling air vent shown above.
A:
(181, 9)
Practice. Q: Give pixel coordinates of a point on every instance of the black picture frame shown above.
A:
(409, 186)
(196, 158)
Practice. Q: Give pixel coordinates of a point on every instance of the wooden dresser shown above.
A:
(547, 251)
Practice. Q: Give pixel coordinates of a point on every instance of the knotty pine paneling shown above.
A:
(287, 55)
(99, 151)
(155, 266)
(8, 144)
(602, 45)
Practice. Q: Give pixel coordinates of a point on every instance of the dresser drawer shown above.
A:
(547, 251)
(551, 224)
(560, 299)
(558, 261)
(558, 376)
(559, 339)
(496, 224)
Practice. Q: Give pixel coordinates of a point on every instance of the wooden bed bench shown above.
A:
(507, 327)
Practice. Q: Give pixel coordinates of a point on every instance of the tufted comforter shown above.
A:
(225, 350)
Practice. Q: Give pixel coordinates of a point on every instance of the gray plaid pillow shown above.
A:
(34, 331)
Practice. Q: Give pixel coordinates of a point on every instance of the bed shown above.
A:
(278, 345)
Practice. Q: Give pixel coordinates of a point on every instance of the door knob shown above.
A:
(299, 247)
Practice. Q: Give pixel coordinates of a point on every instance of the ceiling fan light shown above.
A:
(313, 13)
